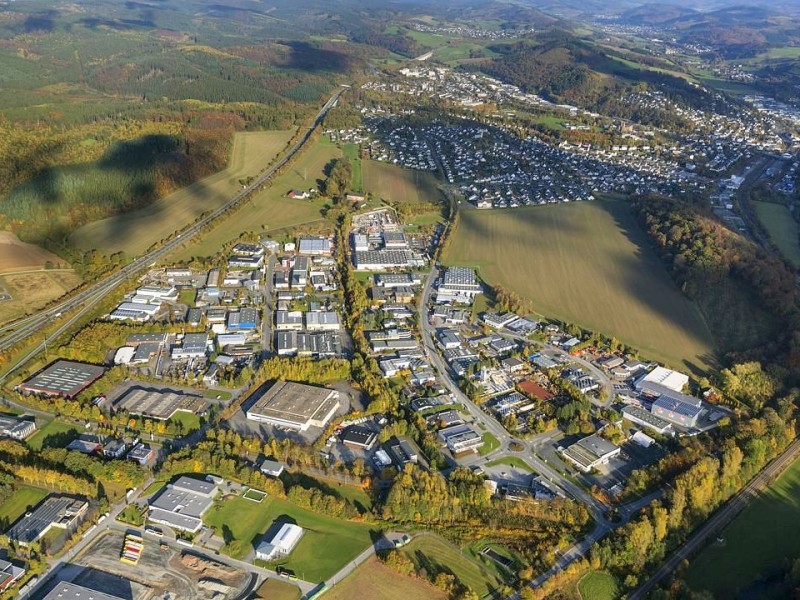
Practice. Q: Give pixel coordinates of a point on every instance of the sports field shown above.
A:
(782, 228)
(32, 290)
(135, 231)
(326, 546)
(23, 498)
(390, 182)
(756, 545)
(373, 580)
(271, 209)
(434, 554)
(590, 264)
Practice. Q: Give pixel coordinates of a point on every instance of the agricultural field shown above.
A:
(390, 182)
(30, 291)
(23, 498)
(372, 580)
(590, 264)
(596, 585)
(350, 151)
(434, 554)
(782, 228)
(270, 209)
(135, 231)
(16, 255)
(756, 545)
(326, 546)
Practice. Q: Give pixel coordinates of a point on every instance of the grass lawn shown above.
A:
(190, 421)
(490, 444)
(351, 151)
(54, 427)
(135, 231)
(511, 461)
(153, 488)
(23, 498)
(597, 585)
(270, 209)
(373, 580)
(782, 228)
(132, 515)
(394, 183)
(436, 555)
(479, 305)
(588, 263)
(327, 544)
(275, 589)
(756, 544)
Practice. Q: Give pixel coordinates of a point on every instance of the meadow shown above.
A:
(23, 498)
(270, 209)
(372, 580)
(756, 545)
(134, 232)
(596, 585)
(33, 290)
(434, 554)
(326, 546)
(393, 183)
(783, 230)
(53, 428)
(589, 264)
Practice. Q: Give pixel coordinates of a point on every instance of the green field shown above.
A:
(372, 580)
(588, 263)
(190, 421)
(54, 427)
(270, 209)
(390, 182)
(596, 585)
(434, 554)
(327, 544)
(782, 228)
(490, 444)
(351, 151)
(275, 589)
(135, 231)
(23, 498)
(511, 461)
(756, 545)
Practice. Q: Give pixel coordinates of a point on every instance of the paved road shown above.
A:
(713, 526)
(89, 297)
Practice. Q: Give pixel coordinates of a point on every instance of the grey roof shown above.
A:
(63, 378)
(55, 509)
(597, 445)
(70, 591)
(676, 406)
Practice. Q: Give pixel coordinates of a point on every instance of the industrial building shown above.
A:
(281, 544)
(315, 246)
(460, 439)
(295, 406)
(182, 504)
(160, 404)
(64, 512)
(134, 311)
(458, 285)
(591, 452)
(323, 320)
(62, 378)
(668, 378)
(17, 428)
(193, 345)
(65, 590)
(383, 260)
(243, 320)
(640, 416)
(359, 437)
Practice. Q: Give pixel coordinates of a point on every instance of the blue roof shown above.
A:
(676, 406)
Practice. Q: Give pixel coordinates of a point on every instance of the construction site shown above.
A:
(159, 571)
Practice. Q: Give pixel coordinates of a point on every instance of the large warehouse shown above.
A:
(160, 404)
(295, 406)
(62, 378)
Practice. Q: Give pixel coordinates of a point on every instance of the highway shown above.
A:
(714, 525)
(90, 296)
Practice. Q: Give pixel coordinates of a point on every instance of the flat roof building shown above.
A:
(315, 246)
(322, 321)
(281, 544)
(461, 439)
(666, 377)
(15, 427)
(182, 504)
(356, 436)
(590, 452)
(65, 590)
(458, 284)
(160, 404)
(640, 416)
(63, 378)
(64, 512)
(295, 406)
